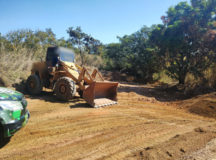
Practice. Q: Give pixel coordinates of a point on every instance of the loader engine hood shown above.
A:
(10, 95)
(73, 69)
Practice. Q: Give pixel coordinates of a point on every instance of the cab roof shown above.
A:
(54, 52)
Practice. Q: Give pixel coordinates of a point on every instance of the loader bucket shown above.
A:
(99, 94)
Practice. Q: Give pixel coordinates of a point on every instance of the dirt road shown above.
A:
(138, 127)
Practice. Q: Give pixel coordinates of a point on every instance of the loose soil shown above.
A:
(145, 124)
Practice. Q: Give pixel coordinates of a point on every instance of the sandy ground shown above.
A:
(138, 127)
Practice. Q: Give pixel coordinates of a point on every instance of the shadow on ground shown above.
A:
(21, 87)
(164, 93)
(4, 142)
(80, 104)
(49, 96)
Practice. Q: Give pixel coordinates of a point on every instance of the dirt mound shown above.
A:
(204, 105)
(173, 96)
(206, 153)
(176, 147)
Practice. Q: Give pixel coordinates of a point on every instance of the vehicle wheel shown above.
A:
(34, 85)
(1, 132)
(3, 140)
(65, 88)
(1, 135)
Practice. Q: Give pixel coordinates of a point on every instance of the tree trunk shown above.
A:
(181, 78)
(82, 58)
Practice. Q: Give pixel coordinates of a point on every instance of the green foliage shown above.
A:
(183, 45)
(30, 39)
(84, 43)
(183, 40)
(134, 55)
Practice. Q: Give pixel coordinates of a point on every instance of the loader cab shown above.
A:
(54, 54)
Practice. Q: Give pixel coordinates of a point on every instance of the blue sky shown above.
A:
(103, 19)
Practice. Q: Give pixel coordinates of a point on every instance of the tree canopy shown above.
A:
(184, 38)
(134, 55)
(184, 43)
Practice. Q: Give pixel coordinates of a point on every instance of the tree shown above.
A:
(113, 56)
(2, 41)
(16, 39)
(134, 55)
(181, 39)
(64, 43)
(85, 43)
(26, 38)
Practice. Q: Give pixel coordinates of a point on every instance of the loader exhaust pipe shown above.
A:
(99, 94)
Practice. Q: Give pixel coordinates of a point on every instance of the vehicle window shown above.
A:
(67, 56)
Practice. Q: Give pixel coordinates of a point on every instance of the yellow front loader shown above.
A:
(61, 74)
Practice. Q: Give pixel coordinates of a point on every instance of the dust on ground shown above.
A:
(146, 124)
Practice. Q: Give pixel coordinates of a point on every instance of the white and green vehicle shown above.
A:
(13, 112)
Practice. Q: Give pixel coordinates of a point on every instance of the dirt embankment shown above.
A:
(204, 105)
(182, 146)
(145, 124)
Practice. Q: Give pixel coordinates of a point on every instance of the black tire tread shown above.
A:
(1, 134)
(70, 88)
(38, 88)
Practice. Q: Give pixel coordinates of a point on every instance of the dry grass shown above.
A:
(90, 60)
(15, 66)
(210, 76)
(192, 84)
(162, 77)
(208, 80)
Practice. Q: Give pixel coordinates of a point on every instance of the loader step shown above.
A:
(101, 102)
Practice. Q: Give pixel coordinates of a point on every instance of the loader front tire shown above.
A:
(65, 89)
(34, 85)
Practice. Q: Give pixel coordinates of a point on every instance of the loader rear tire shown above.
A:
(65, 89)
(34, 85)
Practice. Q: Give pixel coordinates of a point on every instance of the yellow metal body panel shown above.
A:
(73, 69)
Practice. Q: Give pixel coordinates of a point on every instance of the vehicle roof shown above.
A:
(56, 52)
(9, 94)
